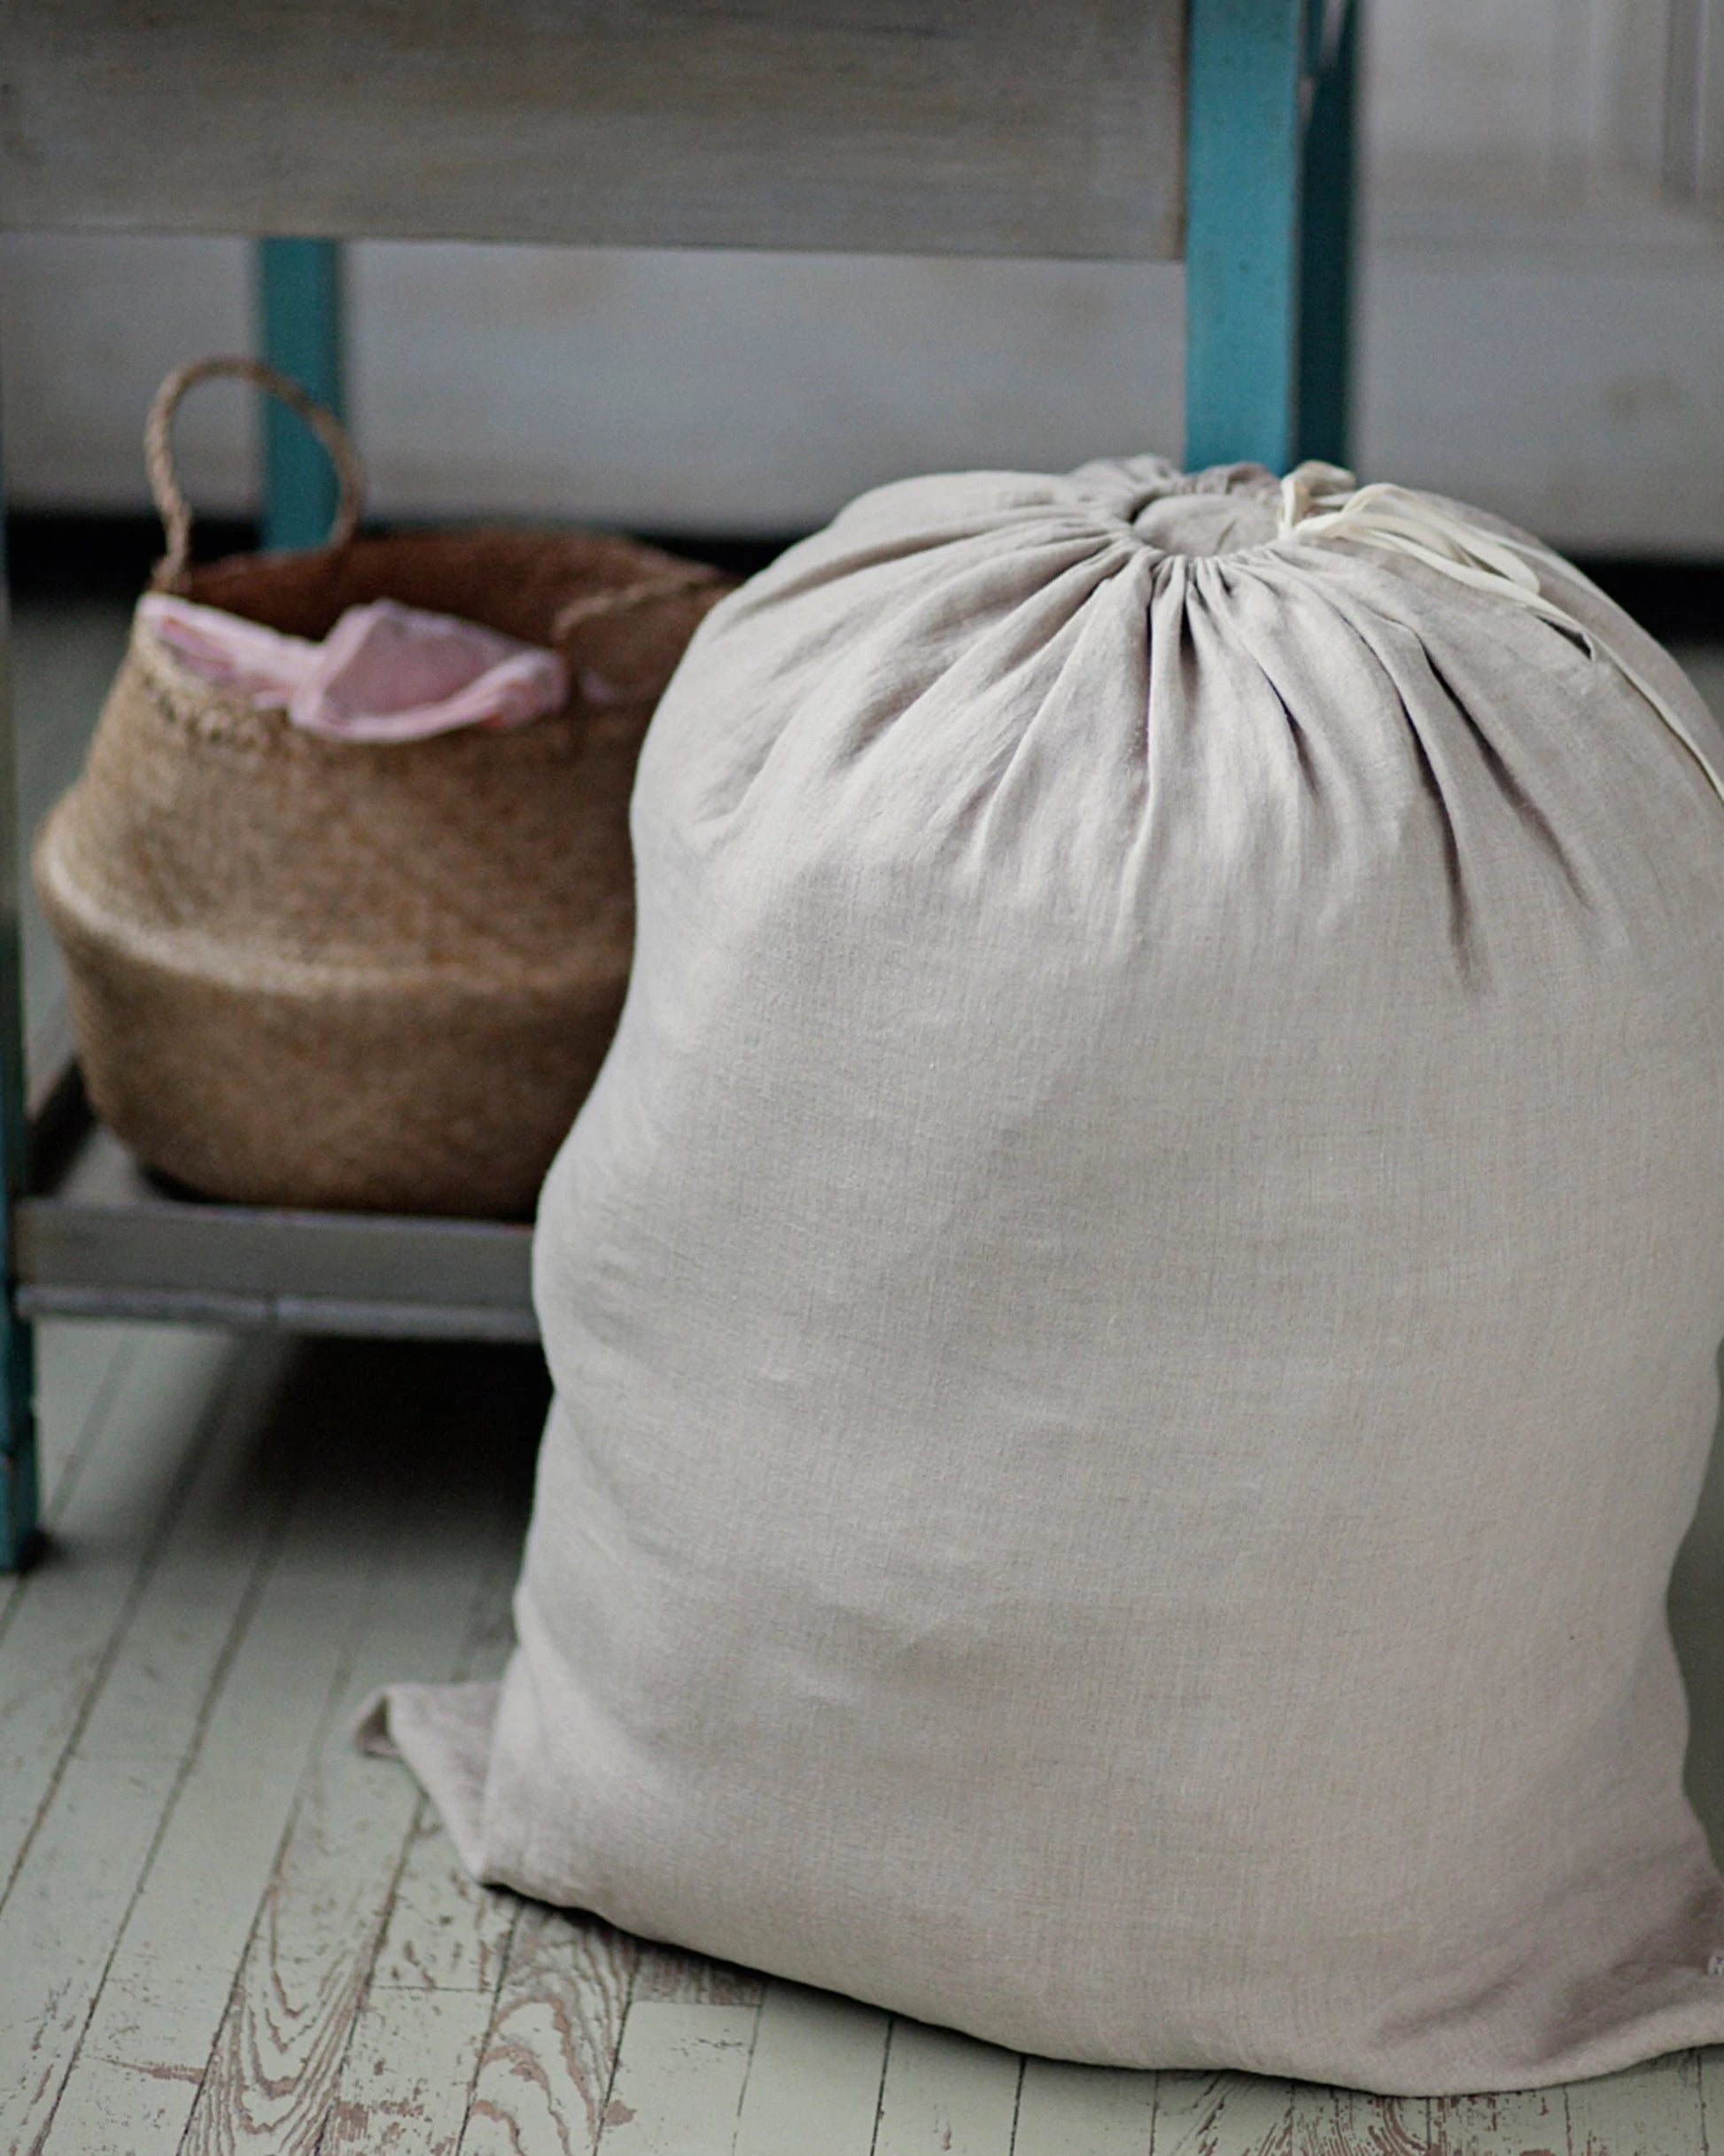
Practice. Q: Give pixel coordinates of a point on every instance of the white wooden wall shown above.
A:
(1544, 316)
(1543, 329)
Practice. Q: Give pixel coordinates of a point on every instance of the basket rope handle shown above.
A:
(596, 605)
(623, 599)
(171, 504)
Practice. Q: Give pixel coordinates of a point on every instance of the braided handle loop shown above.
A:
(176, 512)
(596, 605)
(635, 686)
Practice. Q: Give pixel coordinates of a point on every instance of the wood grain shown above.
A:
(165, 1994)
(944, 2095)
(171, 1978)
(917, 126)
(690, 1980)
(545, 2075)
(445, 1932)
(1222, 2114)
(276, 2071)
(681, 2073)
(408, 2075)
(408, 2079)
(1528, 2122)
(120, 2107)
(1349, 2123)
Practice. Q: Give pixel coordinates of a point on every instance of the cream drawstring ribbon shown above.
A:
(1321, 500)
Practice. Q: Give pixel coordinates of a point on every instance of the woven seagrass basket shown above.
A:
(319, 973)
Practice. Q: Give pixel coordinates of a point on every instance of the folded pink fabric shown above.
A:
(385, 673)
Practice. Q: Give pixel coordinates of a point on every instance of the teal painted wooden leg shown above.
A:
(18, 1494)
(1327, 248)
(1243, 175)
(299, 319)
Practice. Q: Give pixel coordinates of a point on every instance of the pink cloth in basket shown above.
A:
(384, 673)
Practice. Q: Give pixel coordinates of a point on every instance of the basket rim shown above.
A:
(215, 711)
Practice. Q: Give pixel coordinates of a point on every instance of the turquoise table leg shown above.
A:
(19, 1494)
(300, 331)
(1327, 247)
(1269, 229)
(1243, 172)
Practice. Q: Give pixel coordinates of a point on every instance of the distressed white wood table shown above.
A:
(1137, 129)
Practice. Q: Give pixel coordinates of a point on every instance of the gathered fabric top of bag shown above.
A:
(385, 673)
(1321, 500)
(1236, 514)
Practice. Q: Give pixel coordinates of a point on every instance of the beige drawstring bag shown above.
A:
(1133, 1310)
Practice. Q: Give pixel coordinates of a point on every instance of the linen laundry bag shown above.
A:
(1134, 1309)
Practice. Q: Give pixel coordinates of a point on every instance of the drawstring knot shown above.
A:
(1323, 501)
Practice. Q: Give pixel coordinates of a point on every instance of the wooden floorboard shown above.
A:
(57, 1621)
(425, 1540)
(545, 2077)
(814, 2077)
(173, 1973)
(66, 1606)
(1222, 2114)
(944, 2095)
(74, 1375)
(1533, 2123)
(107, 1797)
(444, 1932)
(1343, 2122)
(681, 2073)
(1083, 2111)
(1653, 2107)
(1711, 2068)
(407, 2079)
(689, 1980)
(227, 1930)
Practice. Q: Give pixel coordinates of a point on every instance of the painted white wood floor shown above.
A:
(223, 1930)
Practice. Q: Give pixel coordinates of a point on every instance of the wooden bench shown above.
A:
(1220, 130)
